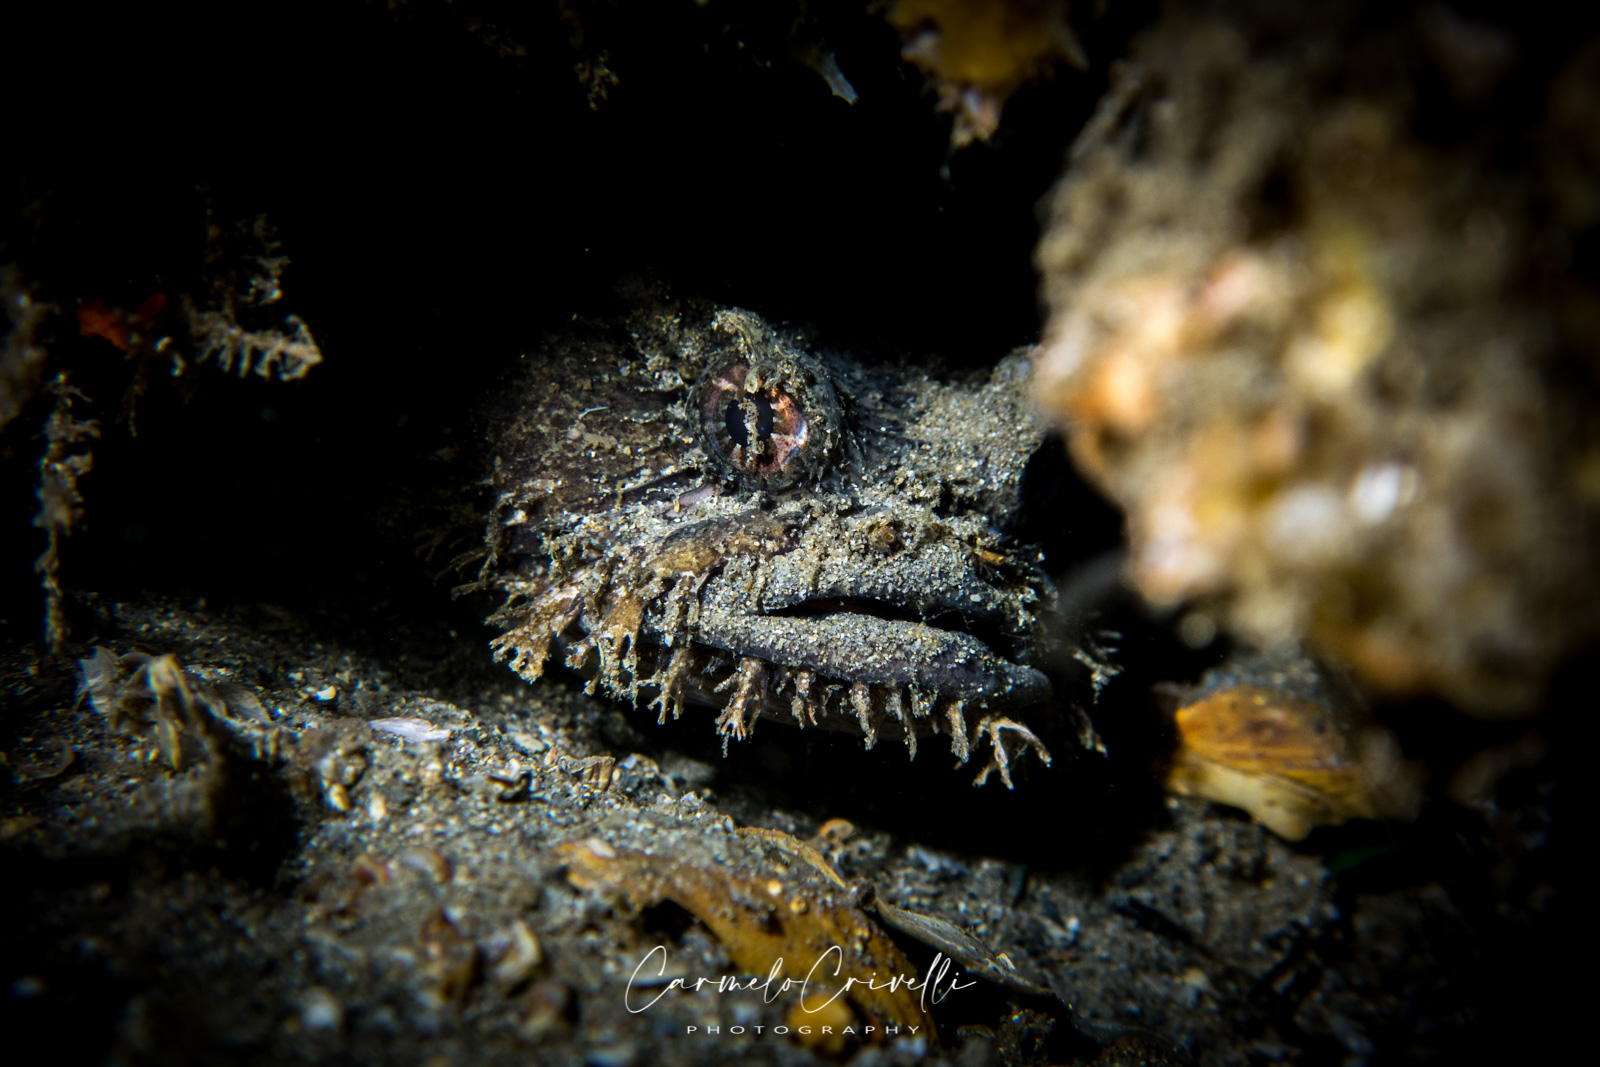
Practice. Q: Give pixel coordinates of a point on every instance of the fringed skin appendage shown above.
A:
(528, 645)
(748, 682)
(991, 727)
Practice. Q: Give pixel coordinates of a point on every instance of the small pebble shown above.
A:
(321, 1012)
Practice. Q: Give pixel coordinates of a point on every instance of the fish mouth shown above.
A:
(953, 644)
(930, 621)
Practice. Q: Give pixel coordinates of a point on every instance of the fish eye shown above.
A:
(768, 423)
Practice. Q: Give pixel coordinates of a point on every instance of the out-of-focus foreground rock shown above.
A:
(1318, 323)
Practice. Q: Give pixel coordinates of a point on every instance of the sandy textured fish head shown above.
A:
(703, 510)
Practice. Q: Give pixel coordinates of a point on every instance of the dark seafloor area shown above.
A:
(271, 880)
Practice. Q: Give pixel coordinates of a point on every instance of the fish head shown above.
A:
(705, 510)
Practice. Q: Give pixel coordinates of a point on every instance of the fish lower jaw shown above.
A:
(855, 673)
(873, 703)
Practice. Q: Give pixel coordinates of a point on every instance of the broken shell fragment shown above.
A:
(450, 964)
(548, 1003)
(960, 945)
(427, 861)
(520, 955)
(410, 729)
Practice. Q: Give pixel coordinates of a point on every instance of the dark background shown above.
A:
(446, 201)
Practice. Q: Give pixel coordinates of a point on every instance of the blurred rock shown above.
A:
(1314, 325)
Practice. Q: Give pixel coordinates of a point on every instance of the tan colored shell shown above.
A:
(1292, 764)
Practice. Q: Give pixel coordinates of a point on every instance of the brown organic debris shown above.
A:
(770, 922)
(977, 53)
(65, 460)
(155, 695)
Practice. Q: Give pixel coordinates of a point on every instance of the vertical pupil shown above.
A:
(734, 419)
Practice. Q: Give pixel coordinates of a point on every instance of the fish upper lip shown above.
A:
(987, 624)
(939, 589)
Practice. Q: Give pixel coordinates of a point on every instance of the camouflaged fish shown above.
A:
(699, 510)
